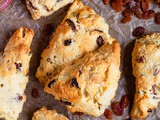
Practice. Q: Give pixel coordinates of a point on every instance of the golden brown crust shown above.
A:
(88, 84)
(44, 114)
(82, 27)
(146, 66)
(14, 67)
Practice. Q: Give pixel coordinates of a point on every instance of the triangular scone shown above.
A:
(44, 114)
(43, 8)
(81, 31)
(146, 69)
(88, 84)
(14, 67)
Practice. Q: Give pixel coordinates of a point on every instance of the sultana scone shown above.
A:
(88, 84)
(146, 67)
(14, 67)
(81, 31)
(44, 114)
(43, 8)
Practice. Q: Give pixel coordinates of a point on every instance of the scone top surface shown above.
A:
(14, 67)
(81, 31)
(43, 8)
(88, 84)
(146, 67)
(44, 114)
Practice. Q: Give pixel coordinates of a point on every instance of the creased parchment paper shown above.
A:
(17, 15)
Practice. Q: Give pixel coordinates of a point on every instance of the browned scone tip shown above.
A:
(146, 67)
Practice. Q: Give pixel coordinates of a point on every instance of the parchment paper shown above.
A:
(17, 15)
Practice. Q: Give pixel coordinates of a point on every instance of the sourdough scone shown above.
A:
(81, 31)
(146, 67)
(42, 8)
(44, 114)
(14, 67)
(88, 84)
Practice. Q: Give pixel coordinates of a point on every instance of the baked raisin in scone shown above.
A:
(146, 69)
(81, 31)
(14, 67)
(42, 8)
(88, 84)
(44, 114)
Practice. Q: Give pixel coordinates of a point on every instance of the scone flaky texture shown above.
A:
(14, 66)
(44, 114)
(146, 67)
(43, 8)
(81, 31)
(88, 84)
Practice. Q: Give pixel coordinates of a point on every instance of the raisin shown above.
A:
(139, 31)
(19, 98)
(35, 93)
(125, 101)
(138, 13)
(106, 2)
(116, 107)
(149, 110)
(78, 113)
(132, 5)
(18, 66)
(126, 19)
(100, 41)
(50, 83)
(66, 102)
(127, 12)
(74, 82)
(144, 5)
(48, 59)
(67, 42)
(108, 114)
(157, 18)
(48, 29)
(155, 72)
(117, 5)
(126, 2)
(140, 59)
(71, 24)
(148, 14)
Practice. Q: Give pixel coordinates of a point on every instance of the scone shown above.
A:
(146, 67)
(42, 8)
(88, 84)
(44, 114)
(14, 68)
(81, 31)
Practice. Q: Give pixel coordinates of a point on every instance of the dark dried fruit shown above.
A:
(18, 66)
(139, 31)
(106, 2)
(74, 82)
(155, 72)
(127, 12)
(140, 59)
(35, 93)
(149, 110)
(126, 2)
(66, 102)
(138, 13)
(148, 14)
(157, 18)
(67, 42)
(108, 114)
(126, 19)
(125, 101)
(116, 107)
(48, 59)
(117, 5)
(132, 5)
(48, 29)
(71, 24)
(19, 98)
(100, 41)
(51, 83)
(144, 5)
